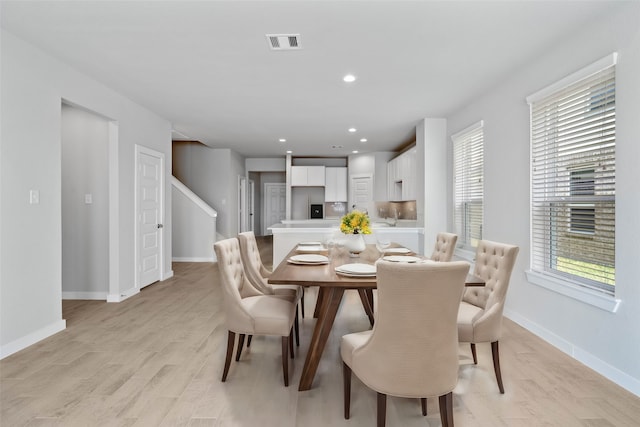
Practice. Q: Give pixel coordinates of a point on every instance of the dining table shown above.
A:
(332, 285)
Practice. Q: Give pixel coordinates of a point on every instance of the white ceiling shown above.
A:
(206, 66)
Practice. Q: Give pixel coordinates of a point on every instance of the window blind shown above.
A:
(468, 179)
(573, 181)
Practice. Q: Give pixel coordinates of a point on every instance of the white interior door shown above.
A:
(149, 209)
(275, 204)
(361, 196)
(242, 204)
(251, 200)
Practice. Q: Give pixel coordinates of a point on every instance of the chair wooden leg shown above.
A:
(473, 353)
(240, 345)
(249, 340)
(446, 409)
(346, 375)
(382, 409)
(302, 303)
(496, 365)
(291, 344)
(285, 360)
(296, 328)
(423, 402)
(231, 340)
(366, 304)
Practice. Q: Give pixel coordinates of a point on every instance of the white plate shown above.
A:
(397, 251)
(304, 248)
(310, 244)
(308, 259)
(401, 258)
(357, 269)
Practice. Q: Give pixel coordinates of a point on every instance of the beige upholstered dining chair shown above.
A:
(258, 274)
(248, 311)
(444, 247)
(480, 315)
(397, 357)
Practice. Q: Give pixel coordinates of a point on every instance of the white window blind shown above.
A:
(468, 183)
(573, 180)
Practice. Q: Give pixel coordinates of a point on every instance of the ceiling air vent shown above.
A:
(284, 41)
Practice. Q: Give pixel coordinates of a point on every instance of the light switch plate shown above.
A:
(34, 197)
(88, 199)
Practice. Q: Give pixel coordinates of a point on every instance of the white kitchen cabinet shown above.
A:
(307, 176)
(402, 176)
(315, 176)
(335, 185)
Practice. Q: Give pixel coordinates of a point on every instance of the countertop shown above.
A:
(323, 225)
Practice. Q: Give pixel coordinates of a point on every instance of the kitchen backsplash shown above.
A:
(335, 209)
(399, 210)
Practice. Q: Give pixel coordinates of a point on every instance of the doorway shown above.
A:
(361, 192)
(85, 203)
(274, 198)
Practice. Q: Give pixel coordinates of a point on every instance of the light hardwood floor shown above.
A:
(156, 360)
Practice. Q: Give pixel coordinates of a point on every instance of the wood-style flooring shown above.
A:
(156, 360)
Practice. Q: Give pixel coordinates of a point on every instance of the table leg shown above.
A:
(330, 303)
(318, 302)
(367, 303)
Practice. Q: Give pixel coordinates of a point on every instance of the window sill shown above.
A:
(564, 287)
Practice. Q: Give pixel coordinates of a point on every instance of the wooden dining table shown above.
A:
(332, 286)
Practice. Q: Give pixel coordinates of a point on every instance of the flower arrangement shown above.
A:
(355, 222)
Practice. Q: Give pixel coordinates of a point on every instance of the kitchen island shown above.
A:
(286, 236)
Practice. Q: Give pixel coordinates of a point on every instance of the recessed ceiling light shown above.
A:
(289, 151)
(352, 130)
(363, 140)
(282, 140)
(355, 151)
(349, 78)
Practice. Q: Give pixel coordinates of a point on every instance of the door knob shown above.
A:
(160, 225)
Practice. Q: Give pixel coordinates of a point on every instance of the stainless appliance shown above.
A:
(316, 211)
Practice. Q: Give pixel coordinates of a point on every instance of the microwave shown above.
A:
(316, 211)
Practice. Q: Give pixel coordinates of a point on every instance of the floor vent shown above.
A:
(284, 41)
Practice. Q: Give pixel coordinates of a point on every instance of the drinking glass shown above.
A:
(382, 243)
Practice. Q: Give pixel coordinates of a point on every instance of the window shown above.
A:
(582, 215)
(573, 177)
(468, 183)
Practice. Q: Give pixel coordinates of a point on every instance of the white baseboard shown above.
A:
(84, 295)
(123, 296)
(32, 338)
(188, 259)
(612, 373)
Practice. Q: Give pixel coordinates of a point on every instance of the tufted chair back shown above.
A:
(399, 358)
(235, 285)
(256, 272)
(494, 263)
(444, 247)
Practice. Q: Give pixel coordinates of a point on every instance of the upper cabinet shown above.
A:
(335, 189)
(402, 176)
(307, 176)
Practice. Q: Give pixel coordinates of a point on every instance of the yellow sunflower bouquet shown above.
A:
(355, 222)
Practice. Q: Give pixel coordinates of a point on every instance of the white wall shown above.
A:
(608, 342)
(85, 227)
(194, 226)
(33, 87)
(211, 173)
(431, 199)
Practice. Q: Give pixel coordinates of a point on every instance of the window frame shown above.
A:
(581, 197)
(466, 236)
